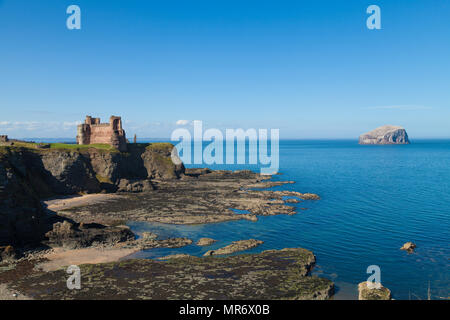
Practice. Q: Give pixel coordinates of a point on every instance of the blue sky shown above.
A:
(310, 68)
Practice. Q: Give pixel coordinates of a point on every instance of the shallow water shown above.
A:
(374, 199)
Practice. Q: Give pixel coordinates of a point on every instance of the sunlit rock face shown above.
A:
(385, 135)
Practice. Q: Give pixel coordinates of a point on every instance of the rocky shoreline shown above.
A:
(89, 230)
(206, 198)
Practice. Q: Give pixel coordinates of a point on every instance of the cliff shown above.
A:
(385, 135)
(21, 214)
(28, 174)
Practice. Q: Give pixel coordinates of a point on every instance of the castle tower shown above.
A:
(92, 131)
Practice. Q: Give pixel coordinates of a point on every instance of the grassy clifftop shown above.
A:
(55, 146)
(157, 147)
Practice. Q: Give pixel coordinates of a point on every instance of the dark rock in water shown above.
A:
(385, 135)
(272, 274)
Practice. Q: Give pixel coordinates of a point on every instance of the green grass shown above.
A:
(163, 146)
(159, 146)
(99, 146)
(61, 146)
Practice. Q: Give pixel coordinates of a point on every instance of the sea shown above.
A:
(373, 200)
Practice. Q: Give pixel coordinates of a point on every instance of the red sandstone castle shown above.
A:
(92, 131)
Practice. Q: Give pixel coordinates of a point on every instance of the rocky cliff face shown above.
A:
(385, 135)
(21, 215)
(28, 175)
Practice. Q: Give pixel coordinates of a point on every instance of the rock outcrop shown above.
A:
(385, 135)
(72, 236)
(235, 246)
(205, 242)
(409, 246)
(375, 293)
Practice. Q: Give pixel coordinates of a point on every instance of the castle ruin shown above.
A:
(92, 132)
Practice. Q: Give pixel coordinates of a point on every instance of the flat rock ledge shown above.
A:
(273, 274)
(205, 242)
(201, 196)
(235, 246)
(175, 256)
(145, 244)
(366, 293)
(385, 135)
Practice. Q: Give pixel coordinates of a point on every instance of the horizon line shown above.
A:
(168, 139)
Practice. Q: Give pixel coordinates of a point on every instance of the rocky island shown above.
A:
(68, 204)
(385, 135)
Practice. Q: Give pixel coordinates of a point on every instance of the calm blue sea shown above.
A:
(374, 199)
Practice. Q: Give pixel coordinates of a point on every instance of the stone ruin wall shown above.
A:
(101, 133)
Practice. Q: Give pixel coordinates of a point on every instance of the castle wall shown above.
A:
(101, 134)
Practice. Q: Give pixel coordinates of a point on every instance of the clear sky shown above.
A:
(309, 68)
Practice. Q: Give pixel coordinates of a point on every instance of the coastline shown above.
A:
(91, 232)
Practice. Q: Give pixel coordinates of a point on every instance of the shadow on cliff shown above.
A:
(60, 173)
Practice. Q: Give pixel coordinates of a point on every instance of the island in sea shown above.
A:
(68, 204)
(385, 135)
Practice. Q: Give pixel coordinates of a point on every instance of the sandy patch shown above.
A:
(60, 257)
(79, 201)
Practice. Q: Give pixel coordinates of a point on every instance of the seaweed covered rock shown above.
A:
(273, 274)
